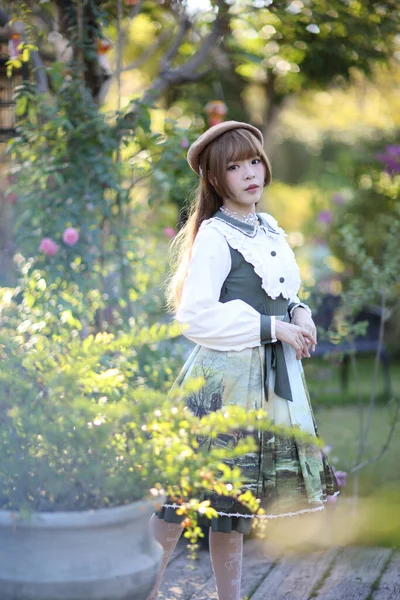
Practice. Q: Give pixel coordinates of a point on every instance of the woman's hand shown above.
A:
(302, 319)
(298, 337)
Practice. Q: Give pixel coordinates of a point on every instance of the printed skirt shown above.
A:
(289, 477)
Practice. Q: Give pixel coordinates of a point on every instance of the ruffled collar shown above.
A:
(246, 228)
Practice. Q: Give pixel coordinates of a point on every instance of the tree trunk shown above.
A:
(271, 113)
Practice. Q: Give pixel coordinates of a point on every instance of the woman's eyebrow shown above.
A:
(243, 159)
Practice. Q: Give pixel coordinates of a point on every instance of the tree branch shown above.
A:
(385, 446)
(272, 109)
(132, 14)
(135, 10)
(5, 31)
(148, 53)
(40, 12)
(190, 70)
(174, 47)
(364, 434)
(4, 35)
(39, 71)
(358, 463)
(4, 18)
(184, 72)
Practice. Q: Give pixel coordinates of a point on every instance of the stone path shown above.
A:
(339, 573)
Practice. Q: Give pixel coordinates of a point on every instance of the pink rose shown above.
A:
(169, 231)
(48, 247)
(12, 198)
(70, 236)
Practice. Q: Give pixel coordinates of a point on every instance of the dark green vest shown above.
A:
(243, 283)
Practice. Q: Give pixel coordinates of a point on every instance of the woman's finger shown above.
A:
(310, 345)
(304, 347)
(308, 335)
(298, 348)
(306, 350)
(315, 337)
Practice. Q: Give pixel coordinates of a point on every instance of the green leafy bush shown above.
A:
(82, 428)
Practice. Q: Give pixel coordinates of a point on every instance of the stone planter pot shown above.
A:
(105, 554)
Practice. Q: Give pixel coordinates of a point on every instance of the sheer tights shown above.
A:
(166, 534)
(226, 553)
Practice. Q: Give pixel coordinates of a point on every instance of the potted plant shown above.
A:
(87, 450)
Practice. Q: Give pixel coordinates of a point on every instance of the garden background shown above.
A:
(94, 185)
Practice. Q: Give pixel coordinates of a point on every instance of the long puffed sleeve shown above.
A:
(232, 325)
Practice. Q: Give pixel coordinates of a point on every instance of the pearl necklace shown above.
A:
(250, 218)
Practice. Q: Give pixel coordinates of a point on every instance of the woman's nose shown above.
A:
(249, 171)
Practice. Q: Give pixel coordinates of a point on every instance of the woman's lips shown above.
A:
(252, 188)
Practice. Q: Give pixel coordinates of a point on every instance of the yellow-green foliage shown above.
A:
(362, 110)
(292, 206)
(82, 427)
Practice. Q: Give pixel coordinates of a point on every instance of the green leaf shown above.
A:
(25, 55)
(21, 106)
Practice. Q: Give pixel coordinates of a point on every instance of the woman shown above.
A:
(234, 294)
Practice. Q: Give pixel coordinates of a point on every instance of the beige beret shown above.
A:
(213, 133)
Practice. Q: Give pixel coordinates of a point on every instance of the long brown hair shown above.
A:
(234, 145)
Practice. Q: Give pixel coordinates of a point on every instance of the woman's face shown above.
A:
(245, 180)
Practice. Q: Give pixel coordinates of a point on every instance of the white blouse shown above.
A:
(233, 325)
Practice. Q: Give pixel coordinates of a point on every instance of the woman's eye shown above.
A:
(254, 161)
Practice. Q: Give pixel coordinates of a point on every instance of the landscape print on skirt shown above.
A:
(289, 477)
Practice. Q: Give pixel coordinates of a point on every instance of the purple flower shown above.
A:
(341, 477)
(325, 216)
(391, 159)
(184, 142)
(337, 199)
